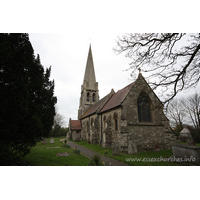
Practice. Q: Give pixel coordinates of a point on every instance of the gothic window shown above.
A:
(115, 122)
(88, 96)
(91, 122)
(93, 97)
(143, 106)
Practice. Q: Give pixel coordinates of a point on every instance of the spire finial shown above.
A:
(139, 69)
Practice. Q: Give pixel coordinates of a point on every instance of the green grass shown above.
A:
(40, 156)
(196, 144)
(123, 156)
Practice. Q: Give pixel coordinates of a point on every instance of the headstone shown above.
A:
(115, 150)
(62, 154)
(44, 141)
(135, 148)
(68, 136)
(187, 153)
(132, 149)
(190, 142)
(51, 141)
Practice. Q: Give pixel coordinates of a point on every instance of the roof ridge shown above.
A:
(117, 98)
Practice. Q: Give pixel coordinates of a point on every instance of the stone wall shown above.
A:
(84, 132)
(94, 129)
(126, 131)
(90, 129)
(139, 136)
(76, 134)
(130, 112)
(110, 130)
(170, 138)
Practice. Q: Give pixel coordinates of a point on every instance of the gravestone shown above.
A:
(51, 141)
(187, 153)
(135, 148)
(190, 142)
(132, 149)
(62, 154)
(44, 141)
(115, 150)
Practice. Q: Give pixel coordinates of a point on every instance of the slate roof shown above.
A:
(75, 125)
(93, 109)
(117, 98)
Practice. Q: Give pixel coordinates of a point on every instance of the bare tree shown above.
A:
(172, 59)
(192, 107)
(59, 120)
(176, 113)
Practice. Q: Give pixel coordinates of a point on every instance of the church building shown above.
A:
(131, 119)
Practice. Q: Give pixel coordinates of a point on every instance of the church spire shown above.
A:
(89, 89)
(89, 79)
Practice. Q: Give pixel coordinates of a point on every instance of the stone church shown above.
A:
(131, 119)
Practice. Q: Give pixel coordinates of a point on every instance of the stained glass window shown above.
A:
(144, 110)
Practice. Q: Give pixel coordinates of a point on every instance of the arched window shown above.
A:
(93, 97)
(144, 111)
(88, 96)
(115, 122)
(91, 122)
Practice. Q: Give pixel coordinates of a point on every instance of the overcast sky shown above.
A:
(85, 22)
(67, 54)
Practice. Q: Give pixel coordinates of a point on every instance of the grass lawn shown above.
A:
(42, 155)
(123, 156)
(196, 144)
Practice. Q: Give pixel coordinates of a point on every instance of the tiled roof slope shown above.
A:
(98, 105)
(75, 125)
(117, 98)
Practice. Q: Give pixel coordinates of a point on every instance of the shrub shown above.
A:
(105, 152)
(67, 146)
(76, 151)
(96, 161)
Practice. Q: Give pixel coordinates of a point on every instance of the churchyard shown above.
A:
(53, 153)
(46, 153)
(147, 158)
